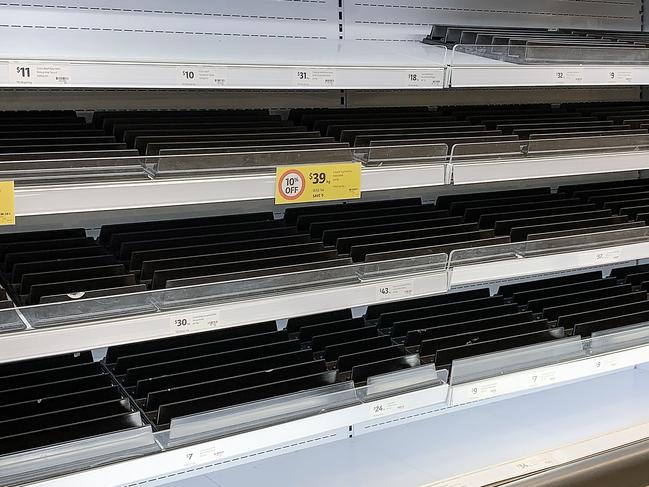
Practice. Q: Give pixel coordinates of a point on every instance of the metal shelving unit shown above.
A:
(331, 49)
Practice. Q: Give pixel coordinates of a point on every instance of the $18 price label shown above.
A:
(317, 182)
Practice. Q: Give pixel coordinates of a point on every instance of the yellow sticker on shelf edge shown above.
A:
(317, 182)
(7, 205)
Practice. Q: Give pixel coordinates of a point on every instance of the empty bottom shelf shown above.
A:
(467, 440)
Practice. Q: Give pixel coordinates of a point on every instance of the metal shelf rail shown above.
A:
(465, 164)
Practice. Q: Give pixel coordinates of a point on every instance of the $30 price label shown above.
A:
(317, 182)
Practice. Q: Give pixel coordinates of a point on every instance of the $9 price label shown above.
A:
(317, 182)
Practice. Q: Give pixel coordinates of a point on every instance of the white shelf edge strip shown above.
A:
(88, 74)
(206, 453)
(30, 201)
(547, 459)
(499, 270)
(76, 198)
(72, 338)
(547, 75)
(545, 167)
(547, 375)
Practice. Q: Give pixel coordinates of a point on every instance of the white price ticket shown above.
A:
(395, 290)
(387, 406)
(315, 77)
(30, 73)
(214, 76)
(568, 76)
(196, 321)
(424, 79)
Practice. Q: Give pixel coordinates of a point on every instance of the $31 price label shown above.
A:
(317, 182)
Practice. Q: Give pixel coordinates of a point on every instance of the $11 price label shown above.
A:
(317, 182)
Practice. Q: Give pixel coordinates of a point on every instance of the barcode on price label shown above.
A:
(201, 76)
(39, 74)
(191, 322)
(396, 290)
(317, 77)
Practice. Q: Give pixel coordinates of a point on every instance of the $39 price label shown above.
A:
(317, 182)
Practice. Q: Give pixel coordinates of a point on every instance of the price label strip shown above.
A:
(28, 74)
(396, 290)
(7, 203)
(192, 322)
(572, 76)
(601, 257)
(621, 76)
(386, 407)
(424, 79)
(315, 77)
(214, 76)
(317, 182)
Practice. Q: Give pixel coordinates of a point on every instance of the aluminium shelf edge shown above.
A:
(137, 60)
(472, 71)
(488, 171)
(91, 197)
(48, 200)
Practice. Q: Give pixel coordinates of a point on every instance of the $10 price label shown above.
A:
(317, 182)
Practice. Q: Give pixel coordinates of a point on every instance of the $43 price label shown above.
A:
(396, 290)
(317, 182)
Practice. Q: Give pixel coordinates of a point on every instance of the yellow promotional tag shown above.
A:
(7, 208)
(317, 182)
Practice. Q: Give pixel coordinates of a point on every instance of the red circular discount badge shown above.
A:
(291, 184)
